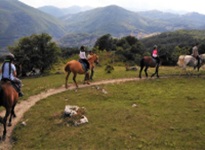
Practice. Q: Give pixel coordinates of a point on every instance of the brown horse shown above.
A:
(8, 99)
(76, 67)
(148, 61)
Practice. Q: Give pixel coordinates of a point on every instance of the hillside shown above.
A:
(120, 22)
(18, 20)
(111, 19)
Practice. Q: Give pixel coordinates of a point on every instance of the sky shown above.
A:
(137, 5)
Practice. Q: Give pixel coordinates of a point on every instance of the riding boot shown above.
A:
(198, 63)
(21, 94)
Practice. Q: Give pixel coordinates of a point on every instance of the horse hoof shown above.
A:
(3, 138)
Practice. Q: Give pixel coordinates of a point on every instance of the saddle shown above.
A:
(154, 60)
(15, 86)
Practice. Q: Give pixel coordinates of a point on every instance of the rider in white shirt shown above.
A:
(8, 71)
(83, 57)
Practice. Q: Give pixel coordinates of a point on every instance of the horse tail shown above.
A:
(67, 68)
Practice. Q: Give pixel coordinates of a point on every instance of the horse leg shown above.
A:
(74, 76)
(145, 70)
(8, 110)
(141, 71)
(66, 79)
(156, 72)
(12, 114)
(91, 74)
(86, 78)
(2, 122)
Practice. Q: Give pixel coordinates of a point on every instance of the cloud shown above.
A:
(177, 5)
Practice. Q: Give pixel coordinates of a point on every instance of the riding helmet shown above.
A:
(155, 46)
(10, 57)
(82, 48)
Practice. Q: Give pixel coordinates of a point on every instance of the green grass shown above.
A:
(169, 114)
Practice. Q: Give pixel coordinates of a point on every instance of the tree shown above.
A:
(36, 51)
(104, 43)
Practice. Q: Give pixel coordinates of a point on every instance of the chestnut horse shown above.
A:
(8, 99)
(76, 67)
(148, 61)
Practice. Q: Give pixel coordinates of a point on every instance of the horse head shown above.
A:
(163, 57)
(93, 59)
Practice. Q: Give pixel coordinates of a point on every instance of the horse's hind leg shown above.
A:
(8, 110)
(66, 79)
(12, 114)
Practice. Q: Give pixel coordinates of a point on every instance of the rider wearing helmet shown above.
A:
(195, 53)
(8, 71)
(155, 54)
(90, 53)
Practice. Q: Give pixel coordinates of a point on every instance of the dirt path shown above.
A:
(24, 106)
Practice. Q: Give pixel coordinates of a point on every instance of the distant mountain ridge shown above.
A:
(18, 20)
(59, 12)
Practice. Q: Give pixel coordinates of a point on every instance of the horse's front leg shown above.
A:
(156, 72)
(91, 74)
(140, 71)
(74, 76)
(4, 133)
(146, 71)
(87, 77)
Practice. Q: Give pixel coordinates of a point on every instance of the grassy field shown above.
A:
(169, 113)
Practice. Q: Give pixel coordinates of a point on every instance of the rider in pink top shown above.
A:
(155, 54)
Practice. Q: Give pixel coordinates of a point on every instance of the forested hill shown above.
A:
(176, 43)
(18, 20)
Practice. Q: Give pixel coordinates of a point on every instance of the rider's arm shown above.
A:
(14, 70)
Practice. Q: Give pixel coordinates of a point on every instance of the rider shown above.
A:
(83, 57)
(155, 54)
(195, 53)
(90, 53)
(8, 71)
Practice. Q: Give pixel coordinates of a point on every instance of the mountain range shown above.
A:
(76, 26)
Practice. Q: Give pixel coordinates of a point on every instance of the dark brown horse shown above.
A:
(76, 67)
(148, 61)
(8, 99)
